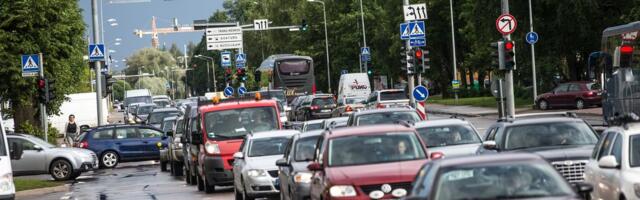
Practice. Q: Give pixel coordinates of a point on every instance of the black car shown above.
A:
(383, 116)
(503, 176)
(294, 177)
(316, 107)
(189, 150)
(565, 142)
(157, 115)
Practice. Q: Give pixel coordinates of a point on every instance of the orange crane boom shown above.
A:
(155, 41)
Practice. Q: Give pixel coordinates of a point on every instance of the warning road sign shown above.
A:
(404, 31)
(30, 65)
(96, 52)
(506, 24)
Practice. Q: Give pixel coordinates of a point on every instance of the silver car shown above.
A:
(40, 157)
(255, 173)
(452, 137)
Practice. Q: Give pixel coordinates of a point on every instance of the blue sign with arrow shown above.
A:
(228, 91)
(242, 90)
(420, 93)
(418, 42)
(532, 37)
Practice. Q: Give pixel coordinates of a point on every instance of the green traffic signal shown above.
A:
(370, 72)
(304, 26)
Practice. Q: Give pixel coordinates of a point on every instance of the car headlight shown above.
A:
(302, 177)
(212, 148)
(6, 184)
(179, 145)
(256, 172)
(342, 191)
(636, 188)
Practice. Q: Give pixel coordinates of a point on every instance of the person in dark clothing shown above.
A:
(71, 130)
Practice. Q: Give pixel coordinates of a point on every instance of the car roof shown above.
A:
(336, 119)
(315, 121)
(157, 110)
(366, 130)
(310, 133)
(631, 129)
(146, 105)
(275, 133)
(524, 121)
(383, 110)
(495, 159)
(230, 105)
(171, 118)
(440, 122)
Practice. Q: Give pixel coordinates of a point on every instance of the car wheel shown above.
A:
(172, 170)
(178, 168)
(244, 194)
(163, 166)
(61, 170)
(579, 104)
(208, 188)
(200, 183)
(237, 193)
(109, 159)
(187, 178)
(543, 104)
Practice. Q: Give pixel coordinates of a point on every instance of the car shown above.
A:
(40, 157)
(503, 176)
(312, 125)
(347, 105)
(294, 104)
(563, 139)
(388, 99)
(130, 113)
(453, 137)
(578, 94)
(123, 143)
(614, 166)
(167, 131)
(175, 151)
(8, 191)
(190, 149)
(356, 162)
(335, 122)
(142, 112)
(162, 103)
(383, 116)
(294, 177)
(254, 168)
(158, 114)
(318, 106)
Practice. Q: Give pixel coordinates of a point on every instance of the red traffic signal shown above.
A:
(418, 53)
(508, 45)
(41, 83)
(626, 49)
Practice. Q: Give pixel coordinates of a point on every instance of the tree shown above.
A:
(151, 61)
(54, 28)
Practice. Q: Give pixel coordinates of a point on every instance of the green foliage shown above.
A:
(29, 184)
(155, 84)
(119, 88)
(28, 128)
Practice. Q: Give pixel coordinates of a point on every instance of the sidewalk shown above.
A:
(471, 111)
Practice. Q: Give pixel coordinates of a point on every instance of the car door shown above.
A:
(303, 107)
(557, 98)
(609, 177)
(574, 91)
(601, 190)
(33, 159)
(286, 171)
(150, 138)
(592, 171)
(129, 143)
(238, 164)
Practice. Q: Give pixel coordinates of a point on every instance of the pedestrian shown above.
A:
(71, 130)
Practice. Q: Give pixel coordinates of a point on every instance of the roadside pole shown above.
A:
(97, 64)
(43, 106)
(453, 45)
(511, 111)
(533, 56)
(410, 77)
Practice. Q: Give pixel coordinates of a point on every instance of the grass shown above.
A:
(477, 101)
(28, 184)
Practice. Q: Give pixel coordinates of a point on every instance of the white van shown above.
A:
(7, 188)
(137, 96)
(354, 85)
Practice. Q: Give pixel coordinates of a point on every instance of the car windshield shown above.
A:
(179, 128)
(323, 101)
(140, 99)
(548, 134)
(277, 94)
(239, 122)
(387, 117)
(371, 149)
(144, 110)
(157, 117)
(439, 136)
(3, 146)
(167, 125)
(634, 151)
(161, 103)
(354, 100)
(392, 95)
(313, 126)
(305, 148)
(516, 180)
(268, 146)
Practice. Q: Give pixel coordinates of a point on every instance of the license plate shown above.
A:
(326, 110)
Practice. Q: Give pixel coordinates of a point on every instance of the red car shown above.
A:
(572, 94)
(368, 162)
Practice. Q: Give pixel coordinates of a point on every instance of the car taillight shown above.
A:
(313, 89)
(591, 93)
(315, 107)
(84, 144)
(379, 105)
(348, 109)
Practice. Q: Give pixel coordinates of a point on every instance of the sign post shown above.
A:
(224, 38)
(32, 66)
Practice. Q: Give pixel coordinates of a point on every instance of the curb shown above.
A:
(442, 112)
(42, 191)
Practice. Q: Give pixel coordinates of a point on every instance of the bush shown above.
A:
(27, 128)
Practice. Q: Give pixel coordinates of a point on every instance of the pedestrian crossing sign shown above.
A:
(96, 52)
(30, 65)
(417, 29)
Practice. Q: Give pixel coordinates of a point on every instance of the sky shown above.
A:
(137, 14)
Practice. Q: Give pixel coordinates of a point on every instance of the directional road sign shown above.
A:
(240, 60)
(455, 84)
(532, 37)
(418, 42)
(415, 12)
(420, 93)
(506, 24)
(96, 52)
(260, 24)
(405, 31)
(225, 58)
(30, 65)
(228, 91)
(242, 90)
(224, 38)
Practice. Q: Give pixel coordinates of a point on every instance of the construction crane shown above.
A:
(155, 42)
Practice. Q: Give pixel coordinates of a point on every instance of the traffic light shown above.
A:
(257, 76)
(304, 26)
(107, 84)
(418, 62)
(51, 89)
(426, 62)
(411, 60)
(241, 75)
(228, 77)
(497, 55)
(41, 84)
(509, 55)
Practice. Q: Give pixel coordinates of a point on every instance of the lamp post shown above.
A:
(213, 66)
(326, 42)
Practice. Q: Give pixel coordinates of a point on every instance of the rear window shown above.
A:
(634, 151)
(268, 146)
(140, 99)
(313, 126)
(395, 95)
(323, 101)
(157, 117)
(593, 86)
(387, 118)
(293, 67)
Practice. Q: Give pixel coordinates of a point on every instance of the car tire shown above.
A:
(194, 178)
(109, 159)
(208, 188)
(61, 170)
(543, 104)
(178, 168)
(199, 183)
(237, 193)
(187, 177)
(163, 166)
(580, 104)
(245, 196)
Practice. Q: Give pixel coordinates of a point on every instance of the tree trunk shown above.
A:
(25, 112)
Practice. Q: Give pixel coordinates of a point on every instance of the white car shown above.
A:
(7, 188)
(614, 167)
(452, 137)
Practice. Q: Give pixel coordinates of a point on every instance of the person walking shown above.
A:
(71, 130)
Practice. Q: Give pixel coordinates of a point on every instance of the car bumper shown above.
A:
(593, 100)
(261, 186)
(321, 114)
(7, 196)
(301, 191)
(214, 170)
(87, 166)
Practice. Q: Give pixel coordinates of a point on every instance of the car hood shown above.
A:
(393, 172)
(74, 150)
(262, 162)
(560, 153)
(457, 150)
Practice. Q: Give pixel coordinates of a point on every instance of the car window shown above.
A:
(103, 134)
(149, 133)
(312, 126)
(304, 148)
(26, 144)
(268, 146)
(157, 117)
(574, 88)
(387, 117)
(439, 136)
(179, 128)
(392, 95)
(616, 149)
(239, 122)
(606, 146)
(596, 150)
(634, 151)
(491, 134)
(167, 125)
(323, 101)
(372, 149)
(144, 110)
(562, 88)
(126, 133)
(548, 134)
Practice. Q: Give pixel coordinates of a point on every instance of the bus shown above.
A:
(616, 67)
(292, 73)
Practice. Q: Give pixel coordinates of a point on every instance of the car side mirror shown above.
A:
(314, 166)
(282, 162)
(16, 151)
(489, 145)
(583, 189)
(238, 155)
(608, 162)
(436, 155)
(37, 148)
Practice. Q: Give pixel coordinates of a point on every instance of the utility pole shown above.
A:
(511, 110)
(43, 106)
(97, 65)
(410, 77)
(453, 45)
(186, 66)
(364, 36)
(533, 56)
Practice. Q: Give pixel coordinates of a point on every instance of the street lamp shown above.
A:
(215, 88)
(326, 41)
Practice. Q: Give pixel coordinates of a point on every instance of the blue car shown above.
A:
(123, 143)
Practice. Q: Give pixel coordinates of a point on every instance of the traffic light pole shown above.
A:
(511, 110)
(97, 64)
(410, 77)
(43, 106)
